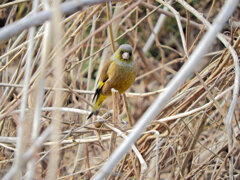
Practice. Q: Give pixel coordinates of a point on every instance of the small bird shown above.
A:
(118, 73)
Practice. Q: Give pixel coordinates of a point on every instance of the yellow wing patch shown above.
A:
(99, 99)
(98, 90)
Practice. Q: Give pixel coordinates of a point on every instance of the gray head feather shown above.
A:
(126, 48)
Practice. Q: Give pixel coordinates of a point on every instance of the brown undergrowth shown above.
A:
(187, 140)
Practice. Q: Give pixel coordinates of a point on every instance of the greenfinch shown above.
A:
(118, 73)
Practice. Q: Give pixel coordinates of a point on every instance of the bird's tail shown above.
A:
(97, 105)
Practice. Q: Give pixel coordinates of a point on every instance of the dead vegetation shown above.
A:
(187, 140)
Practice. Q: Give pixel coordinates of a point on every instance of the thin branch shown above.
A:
(24, 121)
(12, 3)
(157, 29)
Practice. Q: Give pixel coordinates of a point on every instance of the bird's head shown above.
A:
(123, 54)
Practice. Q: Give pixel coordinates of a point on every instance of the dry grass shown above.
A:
(187, 140)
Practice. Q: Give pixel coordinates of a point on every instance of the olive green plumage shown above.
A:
(118, 73)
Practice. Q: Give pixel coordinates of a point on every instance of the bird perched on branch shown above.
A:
(118, 73)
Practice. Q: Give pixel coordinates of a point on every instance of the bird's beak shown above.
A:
(125, 55)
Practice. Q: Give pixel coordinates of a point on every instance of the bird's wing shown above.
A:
(102, 79)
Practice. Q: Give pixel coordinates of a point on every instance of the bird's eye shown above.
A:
(130, 54)
(121, 52)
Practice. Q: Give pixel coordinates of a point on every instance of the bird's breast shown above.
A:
(123, 78)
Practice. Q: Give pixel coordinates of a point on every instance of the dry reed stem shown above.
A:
(54, 156)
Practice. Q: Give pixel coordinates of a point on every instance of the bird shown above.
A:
(119, 73)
